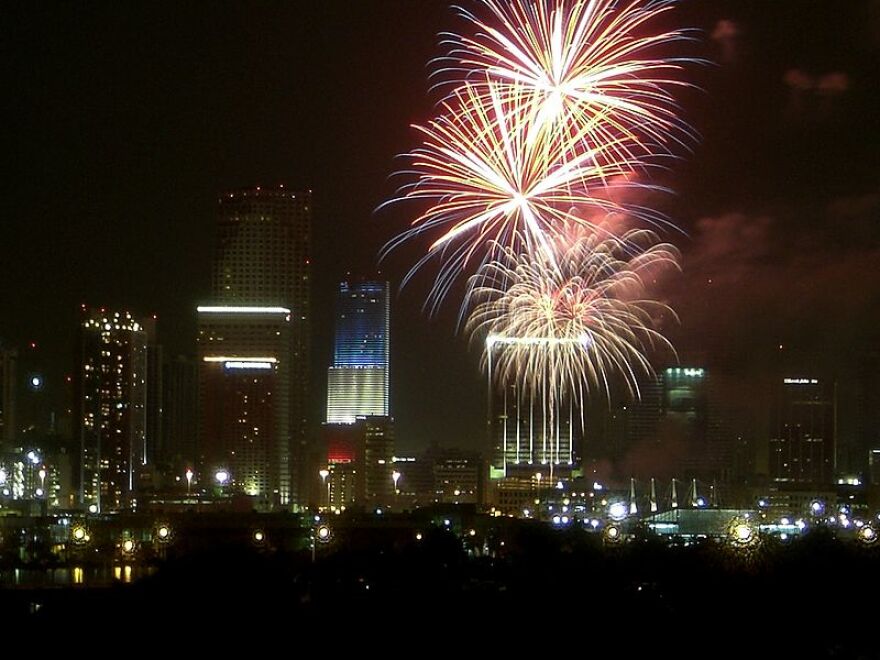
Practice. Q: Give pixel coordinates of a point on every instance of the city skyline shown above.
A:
(439, 315)
(769, 193)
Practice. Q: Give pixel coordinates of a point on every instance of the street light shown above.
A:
(395, 477)
(324, 473)
(189, 479)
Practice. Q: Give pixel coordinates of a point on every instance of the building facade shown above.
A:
(802, 447)
(7, 397)
(111, 392)
(244, 356)
(358, 380)
(262, 261)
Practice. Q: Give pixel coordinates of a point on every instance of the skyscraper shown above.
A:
(359, 434)
(179, 406)
(244, 399)
(357, 383)
(263, 258)
(255, 342)
(7, 397)
(112, 397)
(526, 433)
(803, 430)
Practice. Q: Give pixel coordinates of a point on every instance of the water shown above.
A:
(74, 576)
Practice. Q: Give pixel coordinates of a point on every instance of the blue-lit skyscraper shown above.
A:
(357, 383)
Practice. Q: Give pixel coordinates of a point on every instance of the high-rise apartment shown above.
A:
(112, 399)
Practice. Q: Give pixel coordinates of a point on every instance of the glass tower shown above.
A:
(357, 383)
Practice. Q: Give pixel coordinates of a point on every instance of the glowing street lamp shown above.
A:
(189, 474)
(617, 511)
(867, 534)
(395, 477)
(324, 473)
(221, 477)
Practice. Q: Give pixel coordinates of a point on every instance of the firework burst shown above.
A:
(494, 180)
(566, 329)
(598, 67)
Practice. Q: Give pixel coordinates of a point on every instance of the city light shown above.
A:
(612, 534)
(323, 533)
(867, 534)
(241, 310)
(617, 511)
(248, 365)
(239, 359)
(742, 534)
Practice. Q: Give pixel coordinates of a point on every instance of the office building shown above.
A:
(358, 381)
(7, 397)
(245, 361)
(179, 421)
(260, 307)
(803, 431)
(527, 432)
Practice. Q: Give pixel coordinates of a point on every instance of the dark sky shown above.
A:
(122, 122)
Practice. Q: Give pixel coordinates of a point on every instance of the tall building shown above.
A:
(244, 399)
(112, 397)
(526, 433)
(7, 397)
(378, 460)
(803, 432)
(358, 381)
(358, 433)
(180, 403)
(261, 297)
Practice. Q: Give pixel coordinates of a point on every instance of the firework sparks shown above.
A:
(564, 330)
(494, 181)
(597, 66)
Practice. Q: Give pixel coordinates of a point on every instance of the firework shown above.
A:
(564, 330)
(495, 181)
(598, 67)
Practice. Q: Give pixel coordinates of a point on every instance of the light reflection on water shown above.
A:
(87, 576)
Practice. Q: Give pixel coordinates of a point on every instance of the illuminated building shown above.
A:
(525, 434)
(455, 476)
(360, 463)
(803, 429)
(112, 398)
(358, 381)
(378, 460)
(344, 461)
(262, 258)
(7, 396)
(244, 368)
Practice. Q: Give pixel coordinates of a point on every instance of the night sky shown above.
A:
(123, 121)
